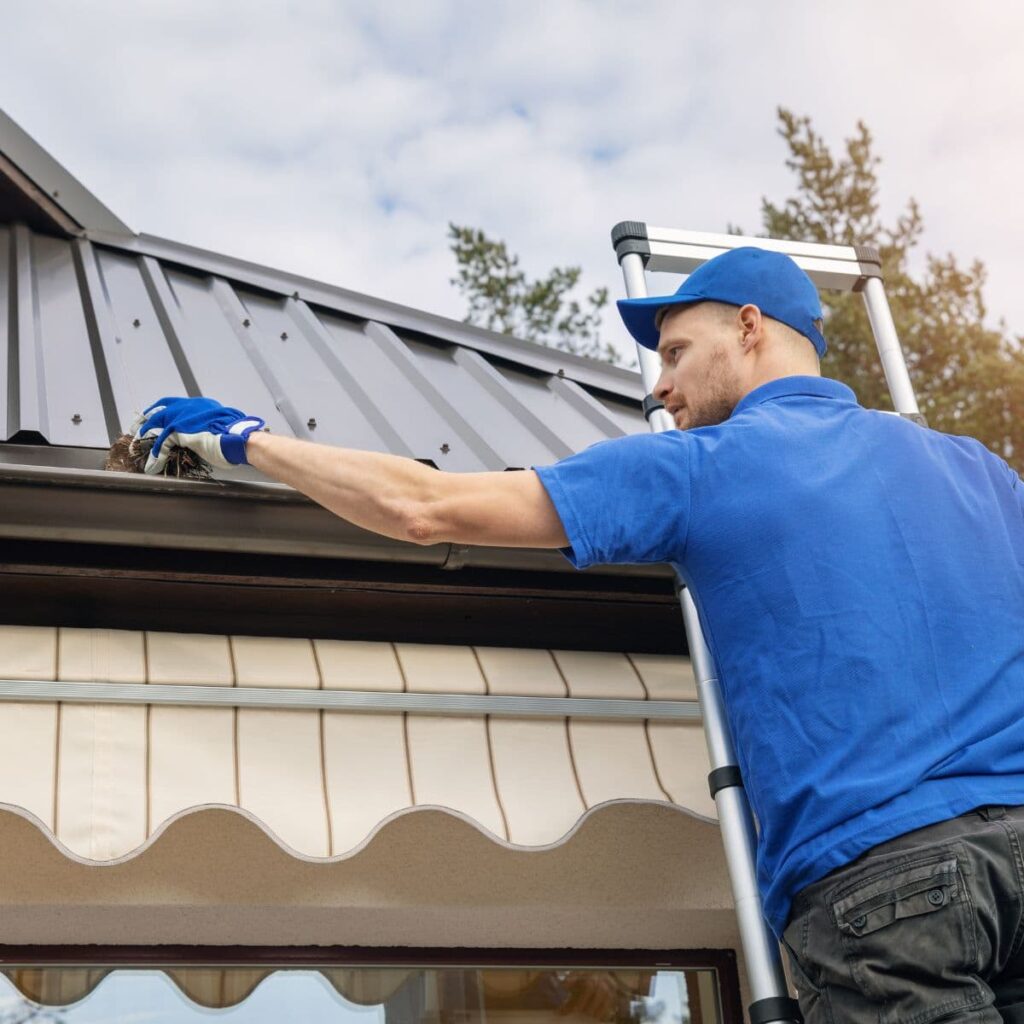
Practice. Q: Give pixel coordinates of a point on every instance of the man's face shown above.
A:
(699, 383)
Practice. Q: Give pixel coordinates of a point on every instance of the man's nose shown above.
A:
(662, 388)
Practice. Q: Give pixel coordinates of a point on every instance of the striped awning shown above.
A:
(104, 780)
(194, 806)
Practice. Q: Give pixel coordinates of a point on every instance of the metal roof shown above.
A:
(97, 322)
(40, 189)
(91, 332)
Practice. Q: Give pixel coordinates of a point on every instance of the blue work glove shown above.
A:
(213, 431)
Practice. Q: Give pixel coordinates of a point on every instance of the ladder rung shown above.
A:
(841, 267)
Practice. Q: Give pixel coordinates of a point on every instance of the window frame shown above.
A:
(721, 961)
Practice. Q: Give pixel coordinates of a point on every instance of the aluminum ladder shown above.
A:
(639, 248)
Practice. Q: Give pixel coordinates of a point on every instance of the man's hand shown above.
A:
(215, 432)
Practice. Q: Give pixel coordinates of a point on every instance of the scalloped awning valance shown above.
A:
(152, 823)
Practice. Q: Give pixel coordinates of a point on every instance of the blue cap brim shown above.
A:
(639, 314)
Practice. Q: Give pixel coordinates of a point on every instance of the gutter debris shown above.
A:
(128, 454)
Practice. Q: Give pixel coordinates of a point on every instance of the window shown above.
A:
(322, 994)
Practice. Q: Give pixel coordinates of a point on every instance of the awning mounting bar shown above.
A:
(305, 699)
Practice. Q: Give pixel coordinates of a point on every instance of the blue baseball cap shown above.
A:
(769, 280)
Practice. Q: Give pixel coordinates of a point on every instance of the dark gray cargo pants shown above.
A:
(924, 927)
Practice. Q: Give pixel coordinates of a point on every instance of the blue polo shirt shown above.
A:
(860, 583)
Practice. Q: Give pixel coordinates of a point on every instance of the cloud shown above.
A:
(338, 139)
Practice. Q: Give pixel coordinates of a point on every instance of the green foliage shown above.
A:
(969, 378)
(502, 298)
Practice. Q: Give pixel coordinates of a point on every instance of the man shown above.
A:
(860, 583)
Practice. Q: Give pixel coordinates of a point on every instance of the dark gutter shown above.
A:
(86, 505)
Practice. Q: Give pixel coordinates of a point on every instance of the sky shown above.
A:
(338, 139)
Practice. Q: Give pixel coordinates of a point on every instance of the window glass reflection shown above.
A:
(84, 995)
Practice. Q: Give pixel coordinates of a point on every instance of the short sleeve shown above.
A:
(1016, 484)
(626, 500)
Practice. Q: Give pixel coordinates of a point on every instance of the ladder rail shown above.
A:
(889, 349)
(761, 952)
(640, 248)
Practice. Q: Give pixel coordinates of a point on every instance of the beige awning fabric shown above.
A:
(104, 779)
(287, 816)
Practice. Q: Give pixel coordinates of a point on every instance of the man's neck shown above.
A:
(767, 375)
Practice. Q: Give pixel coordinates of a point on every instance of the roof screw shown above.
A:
(245, 322)
(136, 322)
(284, 335)
(561, 372)
(56, 194)
(445, 449)
(295, 295)
(76, 418)
(311, 423)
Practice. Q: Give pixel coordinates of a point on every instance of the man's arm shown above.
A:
(400, 498)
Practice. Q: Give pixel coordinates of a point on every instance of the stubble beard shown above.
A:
(717, 395)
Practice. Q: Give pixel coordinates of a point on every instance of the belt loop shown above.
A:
(992, 812)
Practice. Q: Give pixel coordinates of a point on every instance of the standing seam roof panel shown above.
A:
(92, 333)
(143, 351)
(58, 359)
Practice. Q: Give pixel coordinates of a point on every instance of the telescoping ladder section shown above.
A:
(640, 248)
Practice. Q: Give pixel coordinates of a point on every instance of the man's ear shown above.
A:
(751, 325)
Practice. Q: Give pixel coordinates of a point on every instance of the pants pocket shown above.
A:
(909, 936)
(812, 999)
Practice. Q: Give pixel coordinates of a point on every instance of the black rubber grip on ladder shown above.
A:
(867, 254)
(651, 404)
(775, 1008)
(634, 230)
(630, 236)
(723, 778)
(870, 261)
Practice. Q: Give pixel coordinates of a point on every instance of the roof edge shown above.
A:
(60, 193)
(56, 183)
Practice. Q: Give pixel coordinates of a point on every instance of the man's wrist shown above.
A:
(255, 445)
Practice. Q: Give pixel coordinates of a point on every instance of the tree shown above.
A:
(969, 378)
(502, 298)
